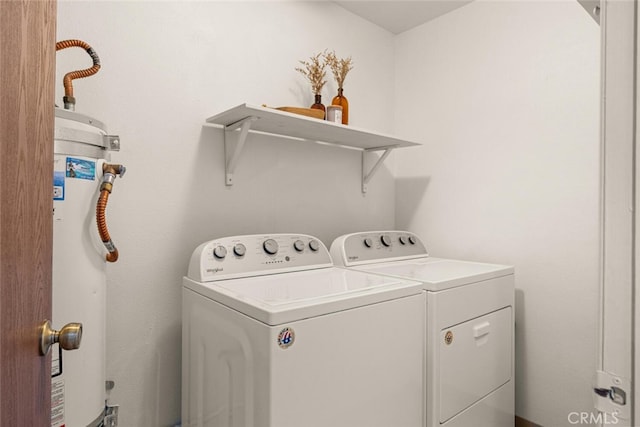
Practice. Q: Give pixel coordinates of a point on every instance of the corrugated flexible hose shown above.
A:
(69, 100)
(109, 175)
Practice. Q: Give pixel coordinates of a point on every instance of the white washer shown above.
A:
(275, 336)
(470, 325)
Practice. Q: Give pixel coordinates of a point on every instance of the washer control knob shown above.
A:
(298, 245)
(220, 252)
(270, 246)
(386, 240)
(412, 240)
(314, 245)
(368, 243)
(239, 249)
(403, 240)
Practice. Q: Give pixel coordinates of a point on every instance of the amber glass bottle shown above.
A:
(318, 105)
(341, 100)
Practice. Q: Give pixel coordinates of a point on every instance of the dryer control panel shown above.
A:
(256, 255)
(376, 246)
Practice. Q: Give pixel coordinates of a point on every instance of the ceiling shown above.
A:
(400, 16)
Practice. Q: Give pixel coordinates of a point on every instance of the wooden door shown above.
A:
(27, 73)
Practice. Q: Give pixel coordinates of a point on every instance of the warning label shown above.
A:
(57, 403)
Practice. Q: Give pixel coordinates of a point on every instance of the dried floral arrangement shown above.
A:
(314, 71)
(339, 67)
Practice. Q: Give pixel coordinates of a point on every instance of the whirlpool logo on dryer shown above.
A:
(215, 270)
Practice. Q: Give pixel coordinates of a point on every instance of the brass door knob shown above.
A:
(68, 337)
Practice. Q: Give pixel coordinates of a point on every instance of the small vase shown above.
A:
(318, 105)
(341, 100)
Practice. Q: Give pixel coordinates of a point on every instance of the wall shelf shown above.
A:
(239, 121)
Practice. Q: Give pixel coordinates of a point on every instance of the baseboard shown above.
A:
(521, 422)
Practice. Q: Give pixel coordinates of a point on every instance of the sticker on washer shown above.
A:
(81, 169)
(286, 337)
(58, 185)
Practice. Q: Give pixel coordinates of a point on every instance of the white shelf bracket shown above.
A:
(233, 144)
(368, 154)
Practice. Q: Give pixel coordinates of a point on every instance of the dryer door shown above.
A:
(475, 360)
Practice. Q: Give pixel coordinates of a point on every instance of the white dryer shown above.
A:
(274, 335)
(470, 325)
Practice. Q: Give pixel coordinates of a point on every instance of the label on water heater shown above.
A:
(58, 185)
(56, 360)
(80, 168)
(57, 403)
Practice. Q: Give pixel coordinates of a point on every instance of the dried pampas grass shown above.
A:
(314, 71)
(339, 67)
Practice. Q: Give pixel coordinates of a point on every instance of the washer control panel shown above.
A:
(376, 246)
(255, 255)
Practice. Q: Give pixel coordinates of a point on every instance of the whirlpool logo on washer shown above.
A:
(214, 270)
(286, 337)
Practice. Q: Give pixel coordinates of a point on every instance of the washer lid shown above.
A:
(287, 297)
(437, 274)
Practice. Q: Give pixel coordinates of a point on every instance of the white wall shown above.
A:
(167, 66)
(504, 94)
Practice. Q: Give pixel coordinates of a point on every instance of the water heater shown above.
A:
(81, 149)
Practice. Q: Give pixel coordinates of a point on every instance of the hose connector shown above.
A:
(69, 103)
(114, 169)
(110, 172)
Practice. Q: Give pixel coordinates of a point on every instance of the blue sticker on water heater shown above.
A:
(80, 168)
(58, 185)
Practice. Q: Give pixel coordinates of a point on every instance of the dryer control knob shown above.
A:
(270, 246)
(239, 249)
(367, 242)
(412, 240)
(220, 252)
(298, 245)
(402, 240)
(314, 245)
(386, 240)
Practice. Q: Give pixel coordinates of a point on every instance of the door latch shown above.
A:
(611, 395)
(616, 394)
